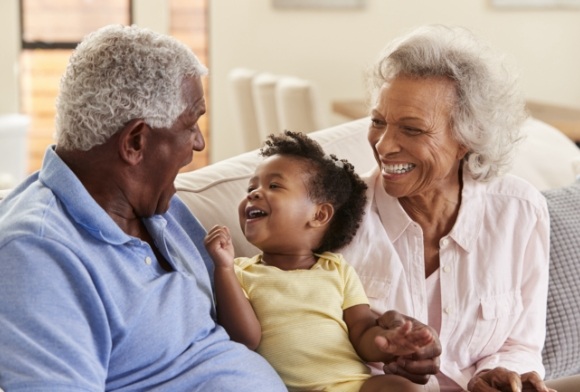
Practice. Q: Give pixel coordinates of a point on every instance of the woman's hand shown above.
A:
(416, 367)
(502, 379)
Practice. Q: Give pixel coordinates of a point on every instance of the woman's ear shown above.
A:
(132, 138)
(461, 151)
(323, 215)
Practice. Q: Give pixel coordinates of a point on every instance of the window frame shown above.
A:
(54, 45)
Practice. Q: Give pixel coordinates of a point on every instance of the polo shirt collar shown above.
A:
(75, 199)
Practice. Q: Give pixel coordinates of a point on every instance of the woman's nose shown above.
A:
(387, 142)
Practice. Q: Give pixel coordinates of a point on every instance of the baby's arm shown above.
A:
(234, 310)
(403, 340)
(376, 344)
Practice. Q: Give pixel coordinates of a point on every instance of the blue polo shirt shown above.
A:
(85, 307)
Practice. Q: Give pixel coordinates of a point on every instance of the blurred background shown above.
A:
(329, 43)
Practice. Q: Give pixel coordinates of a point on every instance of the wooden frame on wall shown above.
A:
(536, 3)
(318, 4)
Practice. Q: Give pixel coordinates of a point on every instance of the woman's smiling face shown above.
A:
(411, 135)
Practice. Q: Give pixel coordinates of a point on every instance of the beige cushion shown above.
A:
(546, 158)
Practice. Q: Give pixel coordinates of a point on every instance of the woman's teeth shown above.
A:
(399, 168)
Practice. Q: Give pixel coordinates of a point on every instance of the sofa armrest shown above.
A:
(546, 157)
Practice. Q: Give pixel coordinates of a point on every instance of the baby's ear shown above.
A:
(323, 215)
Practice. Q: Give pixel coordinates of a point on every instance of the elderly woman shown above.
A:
(447, 238)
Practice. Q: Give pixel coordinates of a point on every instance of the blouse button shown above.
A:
(446, 268)
(148, 260)
(448, 310)
(444, 242)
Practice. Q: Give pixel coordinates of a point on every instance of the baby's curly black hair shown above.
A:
(331, 180)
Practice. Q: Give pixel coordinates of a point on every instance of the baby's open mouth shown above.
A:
(254, 212)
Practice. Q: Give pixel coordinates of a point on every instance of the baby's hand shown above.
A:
(218, 243)
(403, 340)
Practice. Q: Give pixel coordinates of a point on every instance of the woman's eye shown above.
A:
(412, 131)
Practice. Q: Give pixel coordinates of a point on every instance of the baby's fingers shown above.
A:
(395, 344)
(420, 336)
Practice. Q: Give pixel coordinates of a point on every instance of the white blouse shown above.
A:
(493, 273)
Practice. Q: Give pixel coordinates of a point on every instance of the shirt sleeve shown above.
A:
(240, 264)
(354, 293)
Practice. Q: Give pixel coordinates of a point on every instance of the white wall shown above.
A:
(10, 44)
(153, 14)
(333, 48)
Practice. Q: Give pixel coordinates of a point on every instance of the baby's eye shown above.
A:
(250, 189)
(274, 185)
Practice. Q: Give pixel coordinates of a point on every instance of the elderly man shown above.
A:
(105, 283)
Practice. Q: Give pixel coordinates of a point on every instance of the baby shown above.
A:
(297, 303)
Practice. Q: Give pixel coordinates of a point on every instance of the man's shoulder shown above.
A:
(26, 210)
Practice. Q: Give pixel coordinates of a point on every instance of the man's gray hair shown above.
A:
(117, 74)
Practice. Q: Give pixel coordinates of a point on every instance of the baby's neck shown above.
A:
(289, 262)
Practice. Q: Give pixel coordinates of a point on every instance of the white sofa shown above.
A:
(546, 158)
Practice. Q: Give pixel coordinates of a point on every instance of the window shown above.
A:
(51, 29)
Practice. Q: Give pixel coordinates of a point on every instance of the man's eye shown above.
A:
(376, 122)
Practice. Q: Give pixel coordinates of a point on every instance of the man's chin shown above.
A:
(164, 202)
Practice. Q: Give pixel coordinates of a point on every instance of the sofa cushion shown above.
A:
(214, 192)
(545, 157)
(562, 347)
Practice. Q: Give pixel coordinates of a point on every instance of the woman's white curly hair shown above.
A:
(117, 74)
(489, 109)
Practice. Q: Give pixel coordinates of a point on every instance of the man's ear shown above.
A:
(132, 139)
(323, 215)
